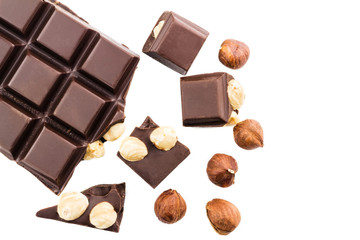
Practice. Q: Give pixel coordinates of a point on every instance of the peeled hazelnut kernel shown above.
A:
(95, 150)
(170, 207)
(158, 28)
(248, 134)
(236, 94)
(72, 205)
(221, 170)
(133, 149)
(103, 215)
(233, 54)
(164, 138)
(114, 132)
(223, 216)
(234, 119)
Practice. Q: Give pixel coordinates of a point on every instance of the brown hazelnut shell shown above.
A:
(170, 207)
(223, 216)
(249, 134)
(233, 53)
(221, 170)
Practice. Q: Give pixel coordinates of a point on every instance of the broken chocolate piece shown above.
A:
(158, 164)
(204, 99)
(175, 42)
(112, 193)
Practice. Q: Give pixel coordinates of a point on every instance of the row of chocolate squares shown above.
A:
(102, 207)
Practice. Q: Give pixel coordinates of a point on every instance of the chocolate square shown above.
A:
(34, 79)
(19, 13)
(205, 100)
(14, 123)
(79, 108)
(112, 193)
(6, 48)
(158, 164)
(177, 44)
(62, 34)
(55, 163)
(108, 62)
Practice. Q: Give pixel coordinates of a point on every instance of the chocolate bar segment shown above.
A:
(62, 86)
(177, 43)
(158, 164)
(112, 193)
(204, 99)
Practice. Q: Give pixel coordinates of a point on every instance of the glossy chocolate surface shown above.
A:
(112, 193)
(177, 44)
(62, 85)
(205, 100)
(158, 164)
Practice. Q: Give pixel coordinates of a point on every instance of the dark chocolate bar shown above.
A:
(112, 193)
(204, 99)
(158, 164)
(62, 86)
(175, 42)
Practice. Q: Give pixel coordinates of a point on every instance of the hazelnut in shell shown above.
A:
(221, 170)
(249, 134)
(234, 54)
(170, 207)
(223, 216)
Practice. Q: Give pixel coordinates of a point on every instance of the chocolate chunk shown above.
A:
(205, 100)
(112, 193)
(175, 42)
(158, 164)
(62, 86)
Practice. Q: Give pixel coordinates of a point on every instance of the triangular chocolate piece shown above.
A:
(112, 193)
(158, 164)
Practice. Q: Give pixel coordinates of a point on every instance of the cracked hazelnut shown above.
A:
(133, 149)
(170, 207)
(164, 138)
(234, 119)
(248, 134)
(223, 216)
(103, 215)
(115, 132)
(158, 28)
(221, 170)
(236, 94)
(72, 205)
(233, 54)
(95, 150)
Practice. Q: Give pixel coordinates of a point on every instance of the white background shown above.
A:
(301, 84)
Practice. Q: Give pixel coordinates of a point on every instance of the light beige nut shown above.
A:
(133, 149)
(236, 94)
(103, 215)
(72, 205)
(158, 28)
(115, 132)
(164, 138)
(95, 150)
(234, 119)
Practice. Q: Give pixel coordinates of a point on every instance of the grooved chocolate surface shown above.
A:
(204, 99)
(158, 164)
(112, 193)
(177, 44)
(62, 85)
